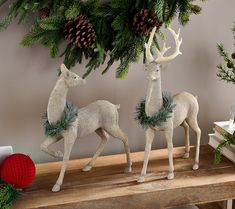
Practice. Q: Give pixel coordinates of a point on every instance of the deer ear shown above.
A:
(63, 68)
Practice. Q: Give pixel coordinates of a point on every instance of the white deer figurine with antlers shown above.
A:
(183, 114)
(100, 117)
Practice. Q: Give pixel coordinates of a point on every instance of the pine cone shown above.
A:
(233, 55)
(79, 32)
(44, 13)
(143, 22)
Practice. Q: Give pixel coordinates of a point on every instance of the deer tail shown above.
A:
(118, 106)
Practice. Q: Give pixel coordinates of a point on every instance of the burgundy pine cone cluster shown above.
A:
(143, 22)
(44, 13)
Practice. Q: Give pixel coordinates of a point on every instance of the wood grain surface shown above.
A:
(106, 186)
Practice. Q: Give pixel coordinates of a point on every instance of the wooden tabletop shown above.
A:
(107, 187)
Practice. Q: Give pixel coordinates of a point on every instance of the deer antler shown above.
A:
(160, 54)
(149, 55)
(160, 58)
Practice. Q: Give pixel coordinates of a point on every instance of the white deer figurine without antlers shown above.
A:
(184, 113)
(100, 117)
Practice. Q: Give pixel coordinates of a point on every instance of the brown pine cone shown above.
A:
(143, 22)
(80, 32)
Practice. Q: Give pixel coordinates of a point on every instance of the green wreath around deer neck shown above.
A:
(68, 117)
(159, 117)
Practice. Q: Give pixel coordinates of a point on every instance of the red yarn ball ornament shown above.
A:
(18, 170)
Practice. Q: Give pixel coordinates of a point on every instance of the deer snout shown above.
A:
(155, 75)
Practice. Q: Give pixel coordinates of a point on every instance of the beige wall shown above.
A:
(28, 75)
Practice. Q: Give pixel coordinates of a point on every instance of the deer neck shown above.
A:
(154, 100)
(57, 101)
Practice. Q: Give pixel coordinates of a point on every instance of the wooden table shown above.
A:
(107, 187)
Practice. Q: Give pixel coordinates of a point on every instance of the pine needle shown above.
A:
(8, 195)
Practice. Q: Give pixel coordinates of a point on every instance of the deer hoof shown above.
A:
(170, 175)
(87, 168)
(195, 167)
(128, 169)
(56, 188)
(186, 155)
(141, 179)
(59, 154)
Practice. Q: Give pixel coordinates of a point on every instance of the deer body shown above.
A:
(100, 117)
(184, 113)
(96, 115)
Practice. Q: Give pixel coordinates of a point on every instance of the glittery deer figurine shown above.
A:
(100, 116)
(183, 114)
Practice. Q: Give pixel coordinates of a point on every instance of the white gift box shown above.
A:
(4, 152)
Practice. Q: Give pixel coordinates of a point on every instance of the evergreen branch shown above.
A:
(229, 139)
(5, 22)
(223, 52)
(8, 195)
(109, 64)
(225, 74)
(123, 68)
(170, 11)
(23, 17)
(112, 22)
(54, 46)
(73, 11)
(130, 54)
(72, 55)
(96, 60)
(36, 35)
(2, 2)
(195, 9)
(158, 8)
(51, 23)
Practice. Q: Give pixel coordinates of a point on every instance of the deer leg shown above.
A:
(119, 134)
(49, 141)
(149, 135)
(68, 145)
(169, 136)
(187, 142)
(194, 125)
(104, 139)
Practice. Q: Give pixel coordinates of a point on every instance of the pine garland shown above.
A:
(159, 117)
(226, 73)
(68, 117)
(229, 140)
(8, 195)
(112, 21)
